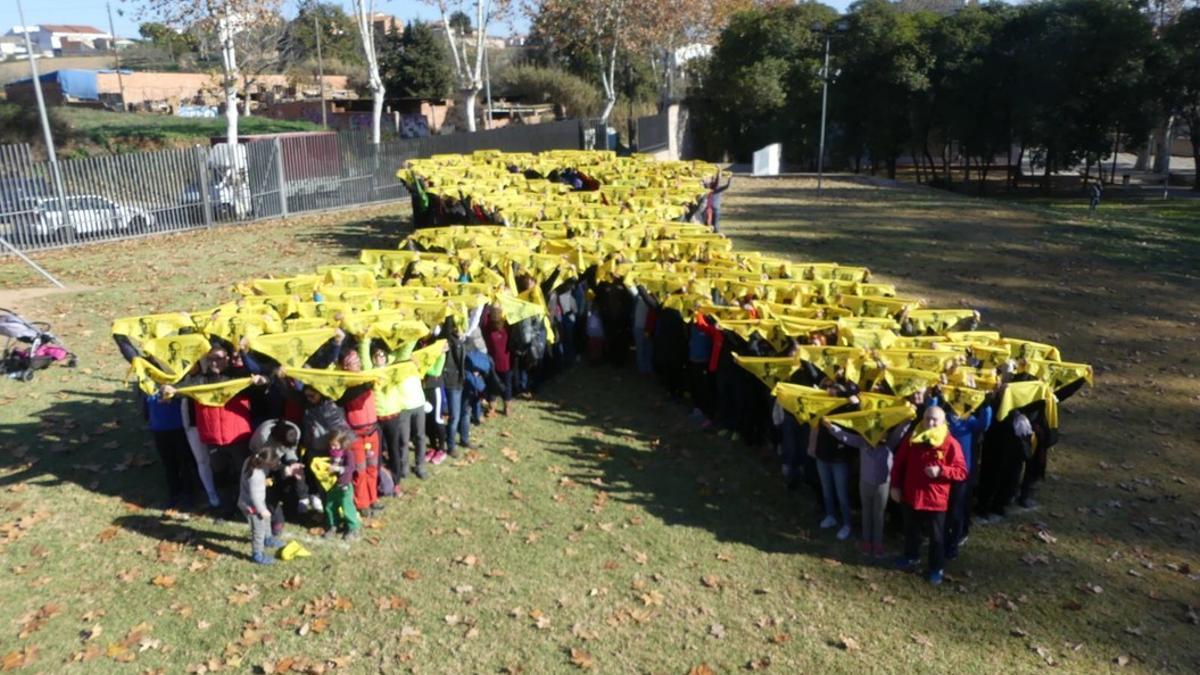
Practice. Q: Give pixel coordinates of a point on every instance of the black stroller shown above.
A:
(29, 346)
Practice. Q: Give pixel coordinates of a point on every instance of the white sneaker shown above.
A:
(829, 522)
(315, 501)
(844, 533)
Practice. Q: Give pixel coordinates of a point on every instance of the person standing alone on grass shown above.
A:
(1095, 191)
(925, 466)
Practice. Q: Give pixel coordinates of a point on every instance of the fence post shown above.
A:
(281, 181)
(205, 195)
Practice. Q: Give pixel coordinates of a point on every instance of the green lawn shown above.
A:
(597, 518)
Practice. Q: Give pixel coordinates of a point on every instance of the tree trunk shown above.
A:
(376, 113)
(1143, 157)
(1016, 181)
(983, 174)
(470, 94)
(1162, 158)
(1112, 178)
(1194, 124)
(929, 160)
(229, 65)
(1046, 173)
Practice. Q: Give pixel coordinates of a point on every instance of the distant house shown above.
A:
(59, 39)
(12, 46)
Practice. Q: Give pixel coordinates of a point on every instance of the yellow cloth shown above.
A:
(215, 395)
(293, 348)
(293, 550)
(333, 383)
(931, 436)
(142, 328)
(805, 403)
(962, 400)
(908, 381)
(320, 470)
(769, 369)
(829, 359)
(178, 353)
(874, 425)
(1020, 394)
(1057, 373)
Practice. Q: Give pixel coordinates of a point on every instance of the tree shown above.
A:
(748, 98)
(460, 21)
(414, 63)
(261, 51)
(1182, 40)
(175, 42)
(338, 33)
(364, 19)
(227, 18)
(599, 29)
(468, 67)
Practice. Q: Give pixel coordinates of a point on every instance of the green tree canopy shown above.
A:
(415, 63)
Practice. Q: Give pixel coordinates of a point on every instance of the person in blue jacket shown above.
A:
(965, 430)
(165, 419)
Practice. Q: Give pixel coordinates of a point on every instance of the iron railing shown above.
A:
(275, 176)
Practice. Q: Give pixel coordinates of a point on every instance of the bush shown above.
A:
(537, 84)
(19, 123)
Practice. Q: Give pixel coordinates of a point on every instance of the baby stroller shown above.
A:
(29, 346)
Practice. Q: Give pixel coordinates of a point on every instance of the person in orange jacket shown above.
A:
(926, 465)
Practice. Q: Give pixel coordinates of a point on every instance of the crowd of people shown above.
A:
(320, 393)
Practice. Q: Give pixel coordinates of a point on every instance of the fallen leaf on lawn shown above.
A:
(409, 634)
(847, 643)
(107, 534)
(652, 598)
(292, 583)
(758, 664)
(1121, 660)
(920, 639)
(468, 560)
(163, 581)
(1018, 632)
(303, 629)
(711, 581)
(411, 574)
(724, 556)
(464, 588)
(780, 638)
(702, 669)
(581, 659)
(18, 658)
(716, 630)
(1045, 536)
(33, 621)
(510, 454)
(91, 633)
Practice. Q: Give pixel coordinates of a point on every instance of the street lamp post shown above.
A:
(826, 78)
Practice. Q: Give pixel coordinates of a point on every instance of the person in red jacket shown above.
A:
(359, 404)
(495, 334)
(926, 465)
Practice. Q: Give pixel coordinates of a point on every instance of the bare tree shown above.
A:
(260, 53)
(227, 18)
(364, 18)
(599, 27)
(468, 67)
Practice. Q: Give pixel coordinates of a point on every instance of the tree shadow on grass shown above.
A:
(627, 442)
(174, 529)
(379, 232)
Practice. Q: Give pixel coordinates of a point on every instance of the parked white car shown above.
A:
(88, 214)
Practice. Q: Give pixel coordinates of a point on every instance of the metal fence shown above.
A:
(144, 193)
(653, 133)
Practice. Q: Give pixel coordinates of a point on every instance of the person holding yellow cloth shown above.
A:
(926, 465)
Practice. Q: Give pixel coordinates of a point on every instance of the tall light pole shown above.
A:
(116, 56)
(320, 68)
(47, 136)
(826, 78)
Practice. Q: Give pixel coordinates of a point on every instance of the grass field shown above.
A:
(597, 528)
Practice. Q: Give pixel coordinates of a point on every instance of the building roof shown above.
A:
(69, 28)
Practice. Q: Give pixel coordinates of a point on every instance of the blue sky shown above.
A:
(92, 13)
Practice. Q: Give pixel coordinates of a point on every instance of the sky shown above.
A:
(93, 13)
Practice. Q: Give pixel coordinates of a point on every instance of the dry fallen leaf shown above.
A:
(711, 581)
(292, 583)
(163, 581)
(848, 643)
(581, 659)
